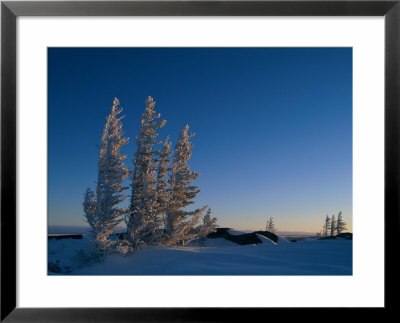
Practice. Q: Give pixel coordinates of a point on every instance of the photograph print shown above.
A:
(200, 161)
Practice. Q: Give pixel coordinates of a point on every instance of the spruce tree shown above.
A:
(327, 226)
(101, 209)
(271, 225)
(209, 225)
(143, 220)
(340, 224)
(333, 226)
(180, 223)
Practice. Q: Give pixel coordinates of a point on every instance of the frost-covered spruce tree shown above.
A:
(101, 210)
(180, 223)
(270, 225)
(209, 225)
(340, 224)
(162, 189)
(327, 226)
(143, 220)
(333, 225)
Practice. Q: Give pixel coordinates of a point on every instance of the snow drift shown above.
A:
(215, 256)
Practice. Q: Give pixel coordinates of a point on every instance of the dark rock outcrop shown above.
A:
(219, 233)
(327, 238)
(242, 239)
(345, 235)
(269, 235)
(65, 236)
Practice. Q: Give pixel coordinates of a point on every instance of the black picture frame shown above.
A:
(10, 10)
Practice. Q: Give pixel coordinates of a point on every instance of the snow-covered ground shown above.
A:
(217, 257)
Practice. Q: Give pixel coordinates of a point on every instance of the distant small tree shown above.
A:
(208, 226)
(327, 226)
(340, 224)
(333, 226)
(271, 225)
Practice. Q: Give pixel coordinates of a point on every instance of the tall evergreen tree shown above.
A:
(333, 225)
(143, 220)
(327, 226)
(180, 224)
(340, 225)
(101, 210)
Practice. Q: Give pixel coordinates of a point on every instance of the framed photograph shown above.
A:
(164, 160)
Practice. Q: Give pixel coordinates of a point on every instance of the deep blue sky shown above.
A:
(273, 126)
